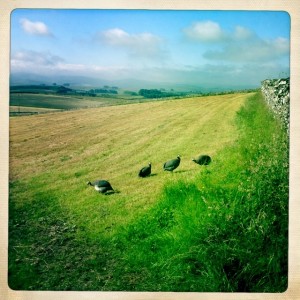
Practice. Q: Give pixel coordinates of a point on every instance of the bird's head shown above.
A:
(89, 183)
(178, 156)
(149, 163)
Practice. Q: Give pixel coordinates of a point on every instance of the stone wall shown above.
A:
(277, 94)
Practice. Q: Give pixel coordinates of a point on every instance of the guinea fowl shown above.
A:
(172, 164)
(145, 171)
(102, 186)
(202, 160)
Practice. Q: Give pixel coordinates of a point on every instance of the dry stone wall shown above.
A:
(277, 94)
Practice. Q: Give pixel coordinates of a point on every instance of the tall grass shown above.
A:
(221, 229)
(226, 230)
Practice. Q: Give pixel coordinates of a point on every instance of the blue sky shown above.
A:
(196, 47)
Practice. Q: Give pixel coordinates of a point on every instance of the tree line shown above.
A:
(155, 93)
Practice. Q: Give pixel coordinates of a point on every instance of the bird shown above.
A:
(102, 186)
(172, 164)
(145, 171)
(202, 160)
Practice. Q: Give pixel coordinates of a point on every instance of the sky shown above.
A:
(213, 48)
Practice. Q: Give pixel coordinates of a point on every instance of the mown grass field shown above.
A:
(217, 228)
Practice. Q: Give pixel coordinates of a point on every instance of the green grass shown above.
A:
(68, 102)
(226, 230)
(210, 229)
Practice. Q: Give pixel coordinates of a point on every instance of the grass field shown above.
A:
(194, 230)
(68, 102)
(27, 110)
(30, 109)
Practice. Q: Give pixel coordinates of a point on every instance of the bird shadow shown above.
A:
(182, 171)
(111, 192)
(153, 174)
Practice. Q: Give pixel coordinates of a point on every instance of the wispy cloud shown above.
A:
(206, 75)
(242, 33)
(238, 45)
(47, 63)
(34, 60)
(142, 45)
(250, 50)
(35, 28)
(227, 74)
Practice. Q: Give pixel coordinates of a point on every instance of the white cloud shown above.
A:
(239, 45)
(221, 74)
(242, 33)
(46, 63)
(253, 49)
(116, 37)
(206, 31)
(32, 60)
(145, 45)
(281, 45)
(35, 28)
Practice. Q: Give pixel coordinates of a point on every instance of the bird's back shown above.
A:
(172, 164)
(101, 183)
(203, 160)
(146, 171)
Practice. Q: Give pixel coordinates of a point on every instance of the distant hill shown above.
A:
(130, 84)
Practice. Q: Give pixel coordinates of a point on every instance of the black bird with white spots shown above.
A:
(102, 186)
(202, 160)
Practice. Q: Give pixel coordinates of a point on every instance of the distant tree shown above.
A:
(152, 93)
(63, 90)
(130, 93)
(105, 91)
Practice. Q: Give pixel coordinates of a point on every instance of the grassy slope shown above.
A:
(113, 143)
(152, 234)
(226, 229)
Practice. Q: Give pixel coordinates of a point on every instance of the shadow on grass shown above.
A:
(181, 171)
